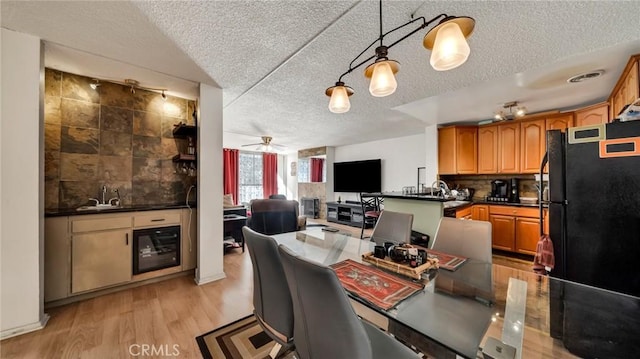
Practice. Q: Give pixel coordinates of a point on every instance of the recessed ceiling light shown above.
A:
(585, 76)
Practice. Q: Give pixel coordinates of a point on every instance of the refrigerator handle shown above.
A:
(545, 160)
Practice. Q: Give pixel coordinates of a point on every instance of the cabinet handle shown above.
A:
(126, 237)
(157, 220)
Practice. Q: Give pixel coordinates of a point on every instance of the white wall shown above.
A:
(210, 186)
(431, 153)
(291, 190)
(400, 156)
(21, 184)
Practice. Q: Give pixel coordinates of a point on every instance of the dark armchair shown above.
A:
(274, 216)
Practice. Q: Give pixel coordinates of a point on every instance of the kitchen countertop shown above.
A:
(463, 204)
(59, 212)
(418, 197)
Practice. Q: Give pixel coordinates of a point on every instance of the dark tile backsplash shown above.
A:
(482, 183)
(111, 137)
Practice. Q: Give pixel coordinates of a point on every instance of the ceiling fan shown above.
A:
(266, 145)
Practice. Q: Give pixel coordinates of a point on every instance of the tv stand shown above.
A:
(349, 213)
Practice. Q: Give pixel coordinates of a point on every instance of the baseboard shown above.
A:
(209, 279)
(5, 334)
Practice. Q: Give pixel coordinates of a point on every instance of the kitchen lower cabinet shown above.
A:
(100, 259)
(464, 213)
(503, 231)
(480, 212)
(527, 235)
(515, 229)
(57, 268)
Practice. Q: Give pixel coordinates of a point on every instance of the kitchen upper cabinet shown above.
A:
(627, 88)
(593, 115)
(480, 212)
(488, 149)
(559, 122)
(457, 150)
(532, 145)
(509, 148)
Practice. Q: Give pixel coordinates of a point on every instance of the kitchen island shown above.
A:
(426, 209)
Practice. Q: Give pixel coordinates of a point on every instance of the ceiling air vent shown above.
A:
(585, 76)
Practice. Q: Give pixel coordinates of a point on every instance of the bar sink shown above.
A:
(97, 207)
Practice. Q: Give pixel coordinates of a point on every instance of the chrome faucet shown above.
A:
(104, 191)
(443, 186)
(117, 199)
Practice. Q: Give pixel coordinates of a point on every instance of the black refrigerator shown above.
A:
(594, 223)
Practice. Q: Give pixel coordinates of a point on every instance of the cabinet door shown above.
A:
(446, 151)
(527, 235)
(618, 102)
(509, 148)
(532, 145)
(559, 122)
(594, 115)
(100, 259)
(56, 258)
(488, 149)
(503, 231)
(467, 150)
(631, 85)
(480, 212)
(464, 213)
(189, 238)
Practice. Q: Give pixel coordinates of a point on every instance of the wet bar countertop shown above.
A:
(417, 196)
(59, 212)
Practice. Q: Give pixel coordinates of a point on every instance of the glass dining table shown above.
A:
(467, 311)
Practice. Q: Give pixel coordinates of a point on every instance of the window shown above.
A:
(304, 170)
(250, 176)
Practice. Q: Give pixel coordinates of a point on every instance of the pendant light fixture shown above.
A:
(449, 48)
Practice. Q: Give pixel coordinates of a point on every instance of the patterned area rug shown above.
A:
(382, 289)
(242, 339)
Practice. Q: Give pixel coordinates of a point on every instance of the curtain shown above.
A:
(231, 173)
(269, 174)
(316, 169)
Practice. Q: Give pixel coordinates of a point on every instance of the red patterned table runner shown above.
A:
(373, 285)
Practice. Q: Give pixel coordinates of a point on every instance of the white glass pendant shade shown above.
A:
(383, 82)
(450, 49)
(339, 102)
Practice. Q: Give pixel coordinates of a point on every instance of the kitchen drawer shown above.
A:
(104, 222)
(156, 219)
(515, 211)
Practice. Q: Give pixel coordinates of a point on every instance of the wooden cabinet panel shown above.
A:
(559, 122)
(618, 103)
(57, 268)
(527, 235)
(189, 238)
(100, 259)
(509, 148)
(467, 150)
(446, 151)
(464, 213)
(488, 149)
(546, 221)
(480, 212)
(157, 219)
(532, 145)
(504, 229)
(457, 150)
(593, 115)
(631, 85)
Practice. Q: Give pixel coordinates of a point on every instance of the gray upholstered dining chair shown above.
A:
(325, 324)
(392, 227)
(467, 238)
(272, 303)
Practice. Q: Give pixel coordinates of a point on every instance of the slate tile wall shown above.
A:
(111, 137)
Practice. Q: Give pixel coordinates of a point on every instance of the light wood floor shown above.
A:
(173, 312)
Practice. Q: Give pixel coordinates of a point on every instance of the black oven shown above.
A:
(155, 248)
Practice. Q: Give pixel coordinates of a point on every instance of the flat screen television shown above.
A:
(357, 176)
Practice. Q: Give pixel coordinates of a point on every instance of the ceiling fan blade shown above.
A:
(253, 144)
(278, 146)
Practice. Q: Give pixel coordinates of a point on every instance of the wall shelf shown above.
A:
(183, 131)
(183, 157)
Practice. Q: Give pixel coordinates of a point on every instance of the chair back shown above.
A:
(392, 227)
(271, 298)
(325, 324)
(274, 216)
(467, 238)
(277, 196)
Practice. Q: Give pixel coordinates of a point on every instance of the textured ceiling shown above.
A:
(274, 59)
